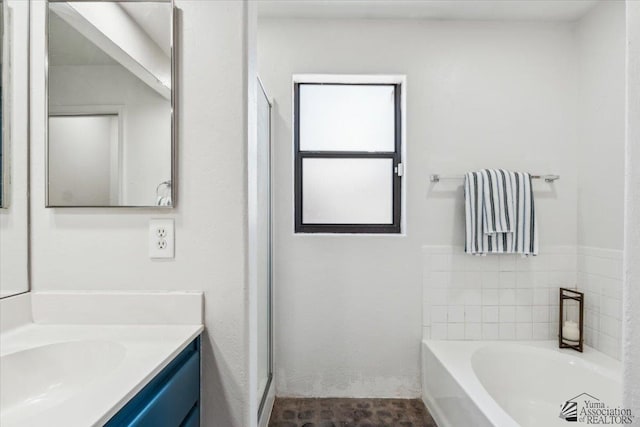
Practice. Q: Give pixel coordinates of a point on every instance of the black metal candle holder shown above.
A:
(570, 294)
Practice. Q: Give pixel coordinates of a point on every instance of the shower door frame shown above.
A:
(267, 387)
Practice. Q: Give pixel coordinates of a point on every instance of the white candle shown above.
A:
(570, 331)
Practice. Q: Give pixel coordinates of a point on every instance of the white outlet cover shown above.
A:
(161, 238)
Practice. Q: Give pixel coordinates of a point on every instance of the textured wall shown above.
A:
(479, 94)
(631, 288)
(106, 249)
(14, 234)
(600, 45)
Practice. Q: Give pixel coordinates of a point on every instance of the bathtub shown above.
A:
(515, 383)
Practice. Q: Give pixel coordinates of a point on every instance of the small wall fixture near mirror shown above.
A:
(111, 100)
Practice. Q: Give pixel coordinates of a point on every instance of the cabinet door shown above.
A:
(171, 399)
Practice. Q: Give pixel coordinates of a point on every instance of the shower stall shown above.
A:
(264, 248)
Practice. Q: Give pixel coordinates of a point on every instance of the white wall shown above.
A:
(631, 289)
(600, 43)
(80, 160)
(14, 224)
(107, 248)
(146, 121)
(483, 94)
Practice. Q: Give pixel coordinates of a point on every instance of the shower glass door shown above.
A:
(265, 364)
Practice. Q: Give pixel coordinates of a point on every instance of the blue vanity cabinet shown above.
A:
(171, 399)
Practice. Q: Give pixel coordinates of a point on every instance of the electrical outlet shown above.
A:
(161, 238)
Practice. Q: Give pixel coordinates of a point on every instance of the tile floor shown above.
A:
(290, 412)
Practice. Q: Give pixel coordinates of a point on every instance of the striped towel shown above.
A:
(500, 213)
(498, 196)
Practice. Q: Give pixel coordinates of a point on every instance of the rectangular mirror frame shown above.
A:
(174, 110)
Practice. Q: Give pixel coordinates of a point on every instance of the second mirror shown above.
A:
(110, 100)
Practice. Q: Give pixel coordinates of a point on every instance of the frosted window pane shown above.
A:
(347, 191)
(347, 118)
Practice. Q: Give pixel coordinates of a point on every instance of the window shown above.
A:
(347, 142)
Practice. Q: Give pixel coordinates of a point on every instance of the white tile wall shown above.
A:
(511, 297)
(600, 278)
(496, 296)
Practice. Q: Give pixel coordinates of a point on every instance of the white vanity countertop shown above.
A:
(114, 362)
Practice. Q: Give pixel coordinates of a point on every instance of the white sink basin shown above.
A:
(81, 375)
(41, 377)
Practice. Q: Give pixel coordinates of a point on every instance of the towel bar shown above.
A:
(547, 178)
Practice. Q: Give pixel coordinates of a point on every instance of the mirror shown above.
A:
(111, 104)
(14, 147)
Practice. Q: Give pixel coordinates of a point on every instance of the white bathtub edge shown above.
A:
(467, 411)
(427, 398)
(434, 410)
(454, 394)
